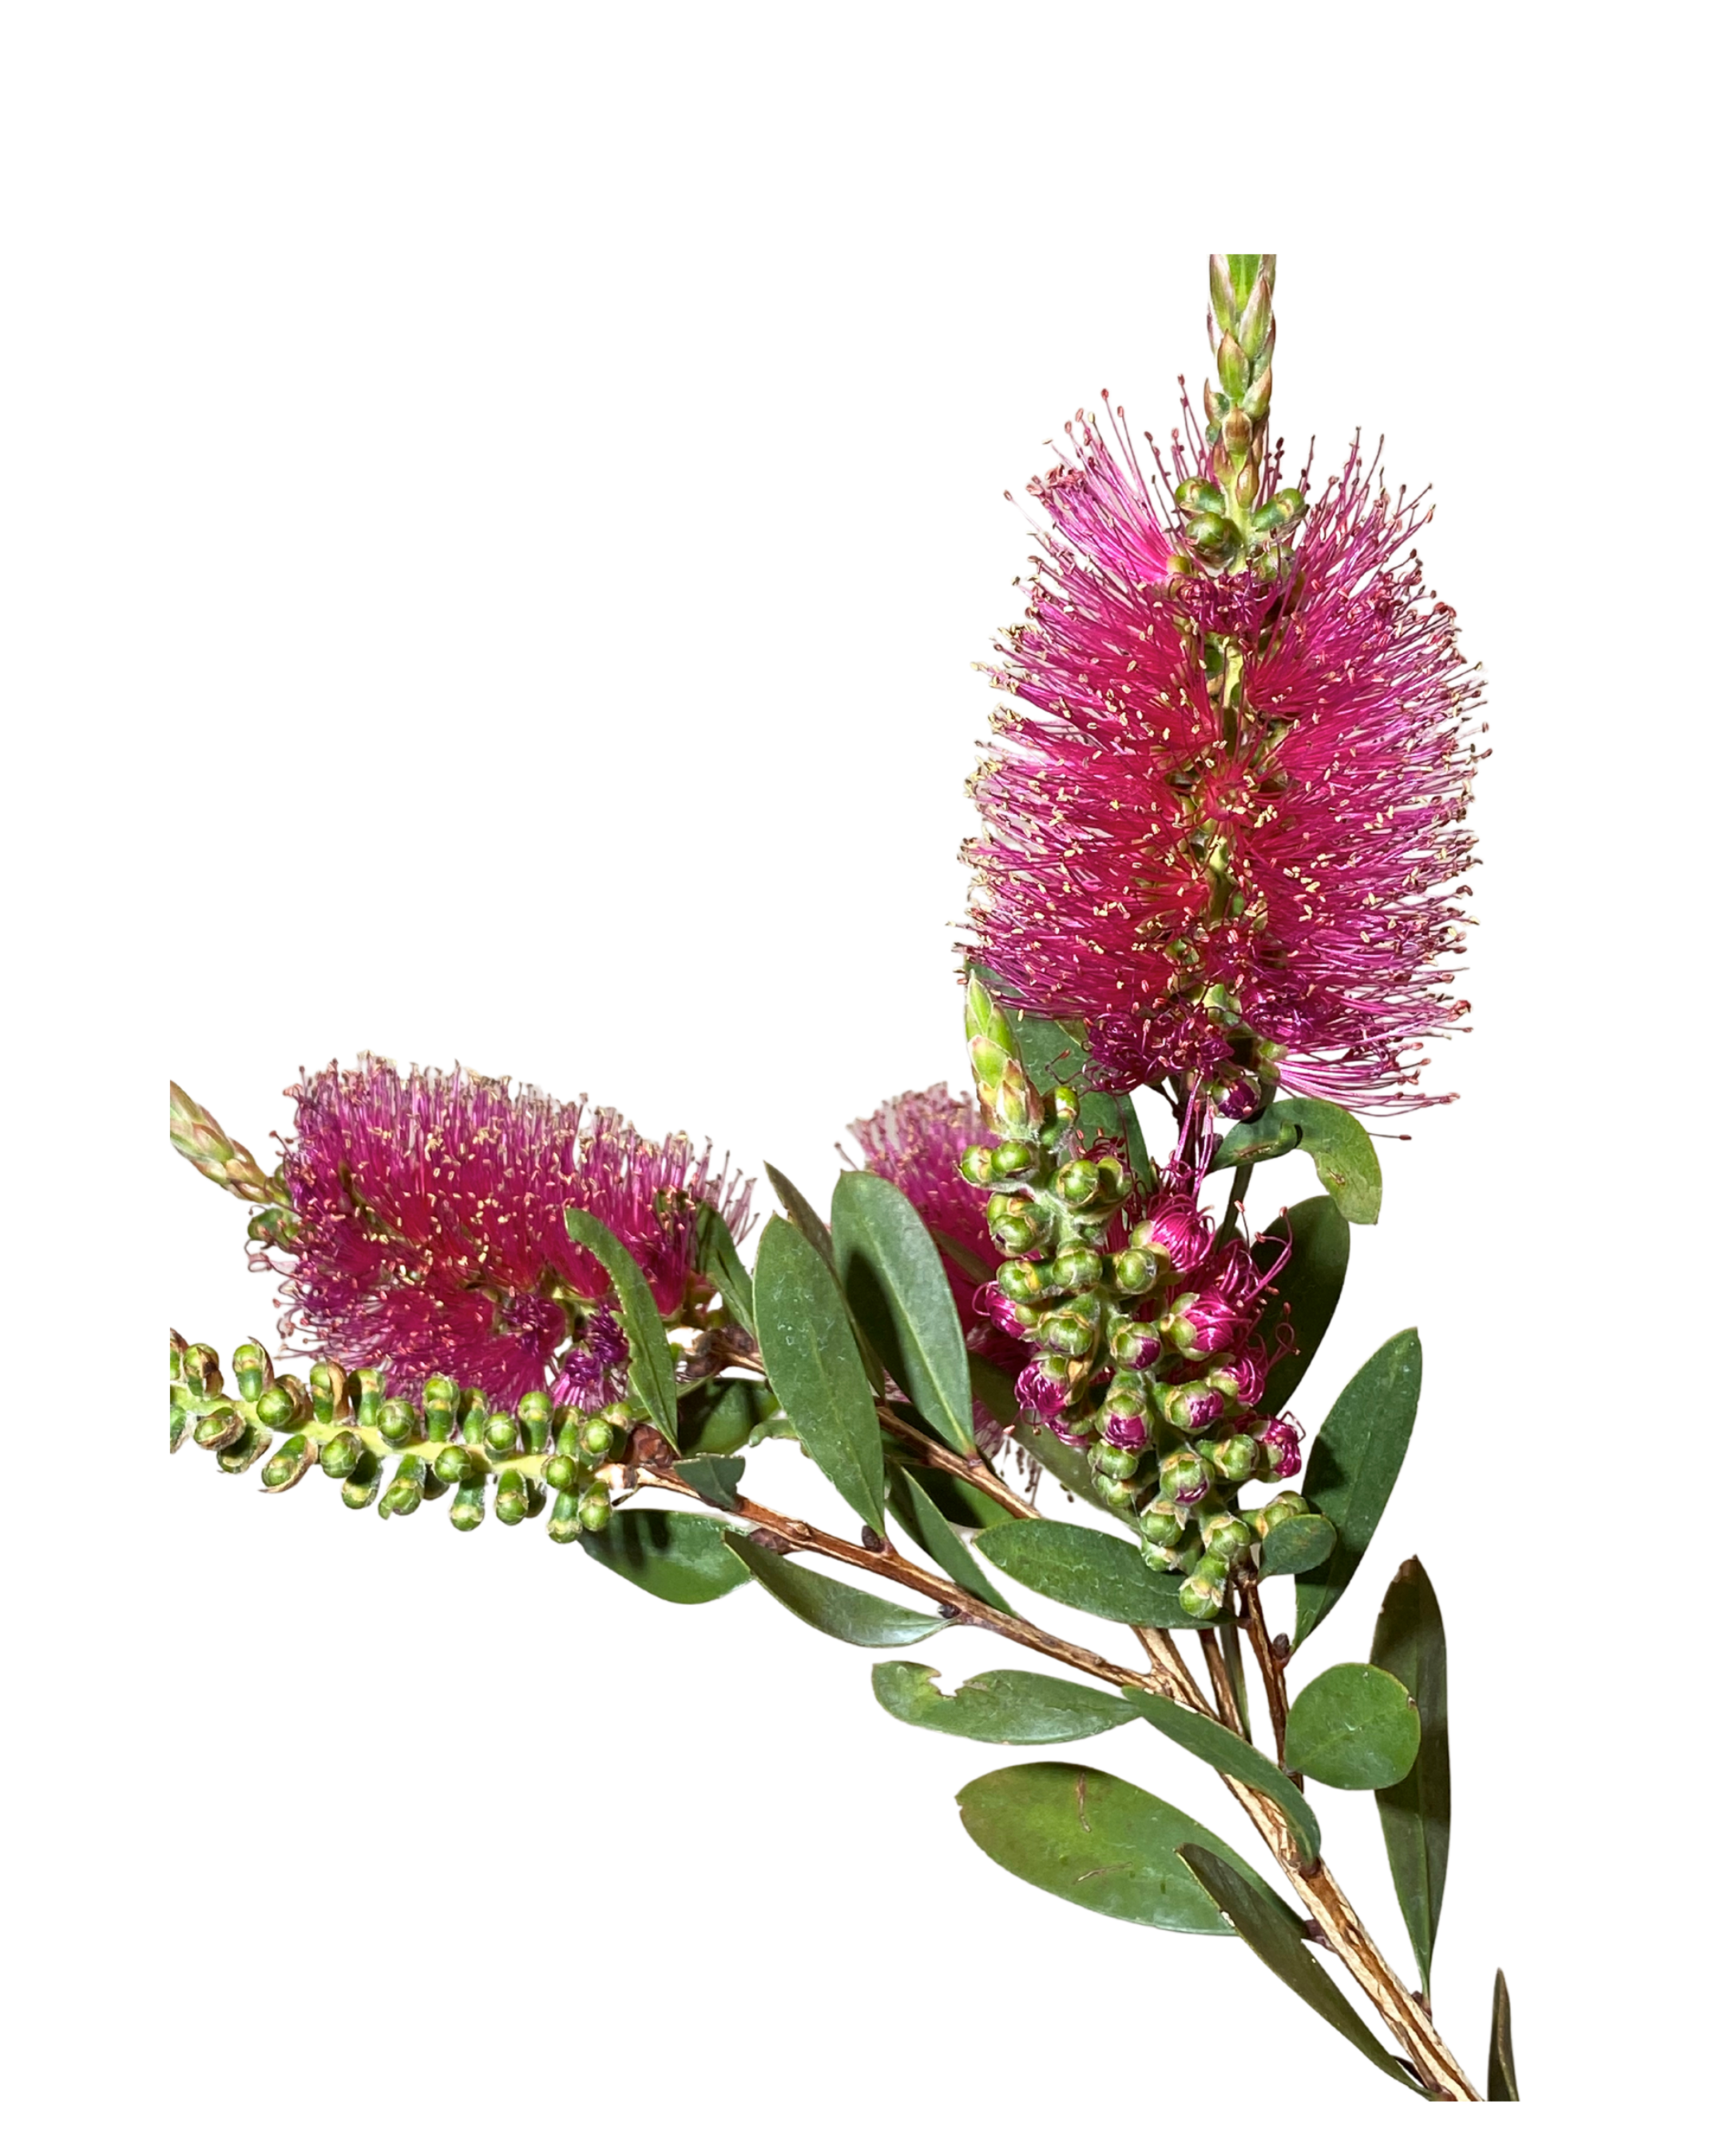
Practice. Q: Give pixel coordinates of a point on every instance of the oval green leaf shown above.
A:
(1354, 1462)
(1346, 1159)
(896, 1287)
(680, 1557)
(911, 1505)
(1296, 1545)
(1097, 1840)
(1501, 2067)
(814, 1367)
(1415, 1812)
(820, 1238)
(652, 1369)
(1004, 1706)
(1305, 1293)
(1086, 1570)
(716, 1255)
(843, 1613)
(1277, 1936)
(1229, 1754)
(1355, 1727)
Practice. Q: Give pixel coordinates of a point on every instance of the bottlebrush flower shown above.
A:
(1227, 810)
(429, 1237)
(916, 1141)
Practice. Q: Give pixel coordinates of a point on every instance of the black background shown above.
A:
(587, 699)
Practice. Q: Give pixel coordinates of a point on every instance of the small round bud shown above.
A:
(1078, 1181)
(1070, 1331)
(276, 1408)
(1124, 1426)
(595, 1436)
(362, 1483)
(1015, 1319)
(341, 1455)
(1022, 1282)
(201, 1372)
(1201, 1591)
(1015, 1237)
(1161, 1526)
(442, 1398)
(1191, 1407)
(511, 1496)
(1135, 1347)
(563, 1471)
(499, 1433)
(1234, 1459)
(1077, 1270)
(289, 1464)
(533, 1413)
(1226, 1537)
(398, 1421)
(1063, 1106)
(564, 1525)
(467, 1507)
(596, 1511)
(1183, 1480)
(328, 1384)
(219, 1428)
(253, 1371)
(1116, 1461)
(406, 1490)
(452, 1464)
(1012, 1159)
(1133, 1271)
(976, 1164)
(368, 1390)
(1113, 1490)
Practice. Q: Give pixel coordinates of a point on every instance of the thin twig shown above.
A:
(1269, 1665)
(1227, 1706)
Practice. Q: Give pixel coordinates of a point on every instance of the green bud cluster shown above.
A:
(400, 1452)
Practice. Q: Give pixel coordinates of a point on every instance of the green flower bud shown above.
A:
(201, 1372)
(1013, 1159)
(398, 1421)
(533, 1412)
(561, 1471)
(564, 1525)
(1079, 1181)
(406, 1488)
(500, 1432)
(1024, 1282)
(328, 1384)
(363, 1481)
(1183, 1479)
(1201, 1590)
(1113, 1460)
(1234, 1458)
(253, 1371)
(222, 1426)
(1120, 1495)
(455, 1464)
(368, 1386)
(1072, 1330)
(1206, 535)
(341, 1455)
(292, 1462)
(1161, 1525)
(1014, 1236)
(442, 1398)
(976, 1164)
(1133, 1271)
(1225, 1537)
(595, 1437)
(1077, 1269)
(1063, 1107)
(596, 1510)
(511, 1496)
(286, 1405)
(467, 1507)
(475, 1415)
(235, 1458)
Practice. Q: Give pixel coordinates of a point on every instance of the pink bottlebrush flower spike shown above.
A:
(429, 1235)
(1227, 808)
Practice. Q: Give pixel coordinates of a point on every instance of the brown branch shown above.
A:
(1221, 1683)
(1269, 1663)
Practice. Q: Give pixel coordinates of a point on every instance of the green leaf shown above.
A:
(814, 1367)
(1345, 1158)
(961, 1502)
(1309, 1284)
(716, 1255)
(1056, 1052)
(1354, 1726)
(973, 1267)
(896, 1287)
(1415, 1812)
(720, 1415)
(1277, 1936)
(1501, 2067)
(1229, 1754)
(680, 1557)
(1005, 1707)
(1068, 1466)
(843, 1613)
(1102, 1573)
(715, 1481)
(1354, 1463)
(820, 1238)
(1097, 1840)
(1267, 1137)
(652, 1369)
(917, 1512)
(1296, 1545)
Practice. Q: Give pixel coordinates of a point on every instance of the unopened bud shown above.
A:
(1079, 1181)
(1161, 1526)
(596, 1437)
(596, 1510)
(293, 1461)
(455, 1463)
(564, 1525)
(1201, 1591)
(368, 1388)
(406, 1488)
(1183, 1480)
(398, 1421)
(1133, 1271)
(285, 1405)
(201, 1372)
(511, 1496)
(1226, 1537)
(1191, 1407)
(1077, 1269)
(563, 1471)
(1234, 1459)
(1113, 1460)
(328, 1385)
(533, 1412)
(976, 1164)
(234, 1459)
(1135, 1347)
(1072, 1330)
(253, 1371)
(500, 1432)
(1012, 1160)
(467, 1507)
(442, 1400)
(1023, 1282)
(341, 1455)
(363, 1481)
(222, 1426)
